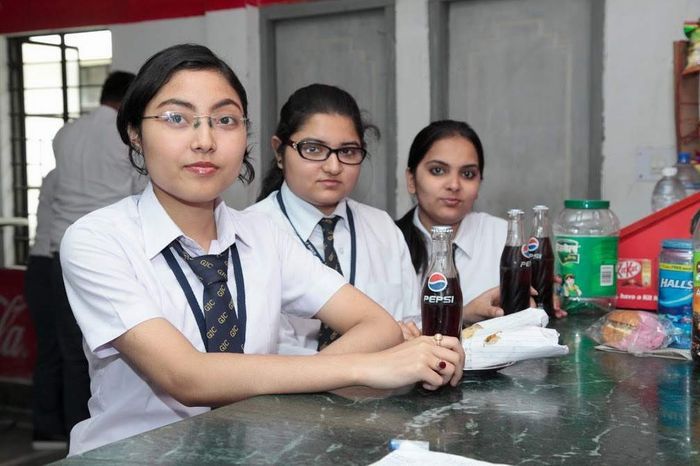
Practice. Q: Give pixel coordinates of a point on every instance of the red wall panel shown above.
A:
(38, 15)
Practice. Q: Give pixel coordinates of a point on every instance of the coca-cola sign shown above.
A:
(17, 337)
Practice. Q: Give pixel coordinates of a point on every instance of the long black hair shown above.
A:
(154, 74)
(422, 143)
(303, 104)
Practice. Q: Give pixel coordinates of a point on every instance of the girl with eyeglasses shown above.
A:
(444, 173)
(319, 146)
(179, 296)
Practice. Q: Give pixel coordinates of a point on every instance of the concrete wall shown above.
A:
(637, 85)
(412, 88)
(638, 94)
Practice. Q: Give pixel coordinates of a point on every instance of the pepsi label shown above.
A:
(437, 299)
(532, 247)
(437, 282)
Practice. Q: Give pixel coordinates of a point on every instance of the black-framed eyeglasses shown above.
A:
(317, 152)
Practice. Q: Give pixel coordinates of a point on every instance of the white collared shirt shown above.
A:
(92, 169)
(117, 278)
(480, 239)
(383, 264)
(44, 216)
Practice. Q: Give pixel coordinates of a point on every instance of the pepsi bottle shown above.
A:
(441, 299)
(515, 266)
(540, 247)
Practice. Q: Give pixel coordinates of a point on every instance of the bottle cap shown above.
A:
(669, 171)
(441, 229)
(586, 204)
(538, 208)
(684, 157)
(677, 244)
(515, 212)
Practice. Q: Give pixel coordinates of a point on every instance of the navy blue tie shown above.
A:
(327, 335)
(219, 311)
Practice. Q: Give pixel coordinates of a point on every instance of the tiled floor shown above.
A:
(16, 429)
(16, 442)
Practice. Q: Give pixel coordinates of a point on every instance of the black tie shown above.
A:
(219, 311)
(327, 335)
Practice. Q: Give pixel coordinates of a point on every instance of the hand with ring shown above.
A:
(433, 360)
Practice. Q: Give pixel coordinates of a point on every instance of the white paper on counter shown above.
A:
(527, 317)
(402, 457)
(487, 349)
(669, 353)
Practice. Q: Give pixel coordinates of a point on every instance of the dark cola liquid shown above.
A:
(442, 311)
(515, 280)
(542, 264)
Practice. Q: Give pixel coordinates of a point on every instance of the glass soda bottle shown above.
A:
(540, 248)
(441, 299)
(516, 270)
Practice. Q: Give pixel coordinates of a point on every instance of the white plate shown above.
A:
(495, 367)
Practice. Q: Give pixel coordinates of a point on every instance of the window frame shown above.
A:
(18, 138)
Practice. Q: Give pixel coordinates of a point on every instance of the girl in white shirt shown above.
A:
(319, 146)
(445, 169)
(131, 272)
(444, 173)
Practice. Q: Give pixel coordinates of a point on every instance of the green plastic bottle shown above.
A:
(586, 237)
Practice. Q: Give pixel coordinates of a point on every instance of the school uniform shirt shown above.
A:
(116, 278)
(383, 262)
(44, 216)
(480, 239)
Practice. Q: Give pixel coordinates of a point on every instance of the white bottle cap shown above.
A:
(669, 171)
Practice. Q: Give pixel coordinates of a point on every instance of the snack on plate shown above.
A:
(633, 331)
(469, 332)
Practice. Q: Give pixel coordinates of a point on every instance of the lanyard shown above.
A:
(239, 315)
(310, 247)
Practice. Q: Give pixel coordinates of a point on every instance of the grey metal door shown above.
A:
(347, 44)
(526, 75)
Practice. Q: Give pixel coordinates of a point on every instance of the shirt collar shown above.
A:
(303, 215)
(461, 238)
(159, 230)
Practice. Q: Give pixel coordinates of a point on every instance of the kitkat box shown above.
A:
(638, 252)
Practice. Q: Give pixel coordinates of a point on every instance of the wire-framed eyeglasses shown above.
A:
(317, 152)
(181, 120)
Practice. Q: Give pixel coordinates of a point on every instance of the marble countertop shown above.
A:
(589, 407)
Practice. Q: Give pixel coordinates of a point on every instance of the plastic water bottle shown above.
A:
(668, 189)
(687, 174)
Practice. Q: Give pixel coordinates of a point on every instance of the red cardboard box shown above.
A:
(639, 248)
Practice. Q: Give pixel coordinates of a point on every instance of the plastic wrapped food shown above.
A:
(692, 32)
(633, 331)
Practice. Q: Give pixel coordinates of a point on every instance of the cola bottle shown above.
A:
(441, 298)
(540, 247)
(515, 266)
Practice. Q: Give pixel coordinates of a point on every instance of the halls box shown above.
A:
(639, 248)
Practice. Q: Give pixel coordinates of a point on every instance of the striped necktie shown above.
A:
(327, 335)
